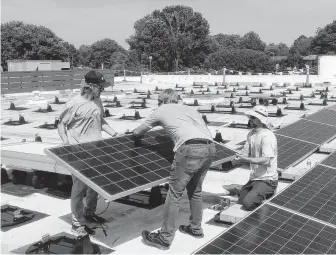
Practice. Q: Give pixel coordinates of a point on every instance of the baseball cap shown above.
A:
(96, 77)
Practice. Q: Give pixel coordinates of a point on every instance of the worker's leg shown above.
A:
(260, 191)
(244, 191)
(187, 162)
(194, 190)
(77, 194)
(91, 201)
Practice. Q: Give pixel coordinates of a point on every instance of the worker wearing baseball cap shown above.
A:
(82, 121)
(261, 153)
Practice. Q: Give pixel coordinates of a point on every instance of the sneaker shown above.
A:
(153, 239)
(187, 230)
(94, 218)
(82, 230)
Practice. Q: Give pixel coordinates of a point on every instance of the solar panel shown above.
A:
(291, 151)
(309, 131)
(117, 167)
(271, 230)
(330, 160)
(333, 108)
(324, 116)
(223, 154)
(314, 194)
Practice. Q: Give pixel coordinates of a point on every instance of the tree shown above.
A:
(252, 41)
(84, 55)
(27, 41)
(175, 37)
(301, 46)
(240, 60)
(225, 41)
(280, 49)
(325, 40)
(73, 56)
(101, 52)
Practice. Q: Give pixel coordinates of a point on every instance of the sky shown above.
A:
(87, 21)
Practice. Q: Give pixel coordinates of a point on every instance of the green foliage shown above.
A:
(280, 49)
(73, 56)
(252, 41)
(103, 51)
(175, 37)
(27, 41)
(225, 41)
(301, 46)
(325, 40)
(239, 59)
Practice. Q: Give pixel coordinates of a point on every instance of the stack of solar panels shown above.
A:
(118, 167)
(299, 220)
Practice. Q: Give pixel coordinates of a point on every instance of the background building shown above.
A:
(37, 65)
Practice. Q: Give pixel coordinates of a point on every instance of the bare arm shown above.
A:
(260, 160)
(62, 132)
(141, 130)
(107, 128)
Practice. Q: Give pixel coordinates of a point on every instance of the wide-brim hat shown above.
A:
(259, 112)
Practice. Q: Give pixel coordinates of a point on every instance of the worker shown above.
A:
(261, 153)
(82, 121)
(194, 153)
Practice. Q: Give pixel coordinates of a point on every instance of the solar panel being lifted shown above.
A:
(117, 167)
(324, 116)
(314, 194)
(309, 131)
(291, 151)
(271, 230)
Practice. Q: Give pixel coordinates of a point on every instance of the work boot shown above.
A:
(82, 230)
(94, 218)
(187, 230)
(153, 239)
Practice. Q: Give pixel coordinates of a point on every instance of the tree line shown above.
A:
(176, 38)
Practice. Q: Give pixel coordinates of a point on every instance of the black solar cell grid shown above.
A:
(270, 230)
(324, 116)
(309, 131)
(223, 153)
(314, 194)
(330, 160)
(290, 151)
(117, 167)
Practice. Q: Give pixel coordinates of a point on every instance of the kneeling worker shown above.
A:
(194, 153)
(260, 151)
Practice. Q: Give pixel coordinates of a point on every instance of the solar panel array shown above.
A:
(324, 116)
(309, 131)
(305, 136)
(272, 230)
(314, 194)
(117, 167)
(302, 218)
(291, 151)
(330, 160)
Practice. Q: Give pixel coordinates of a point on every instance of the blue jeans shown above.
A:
(190, 165)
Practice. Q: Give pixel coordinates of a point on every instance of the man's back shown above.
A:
(181, 122)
